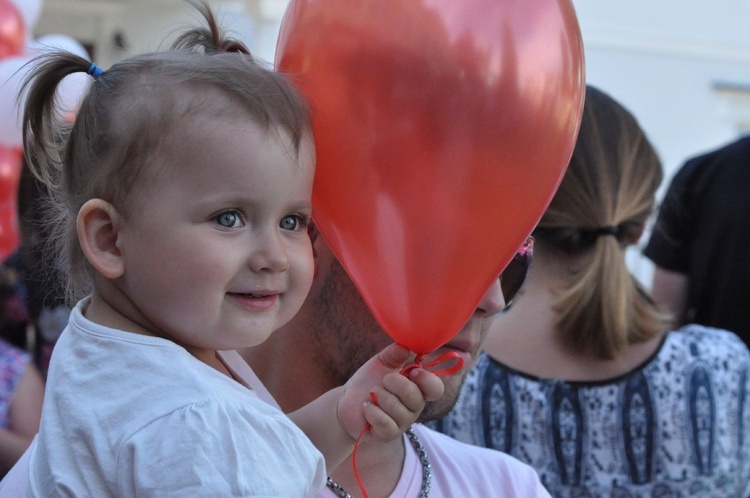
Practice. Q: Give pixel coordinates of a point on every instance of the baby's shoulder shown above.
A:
(222, 439)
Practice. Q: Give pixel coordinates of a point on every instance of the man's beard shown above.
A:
(345, 330)
(434, 410)
(347, 336)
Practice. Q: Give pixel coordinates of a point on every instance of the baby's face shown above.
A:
(216, 249)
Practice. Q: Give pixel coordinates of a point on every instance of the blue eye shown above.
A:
(229, 219)
(294, 222)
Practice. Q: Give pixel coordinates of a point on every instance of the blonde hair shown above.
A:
(127, 115)
(604, 200)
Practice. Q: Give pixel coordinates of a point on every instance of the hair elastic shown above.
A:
(95, 71)
(607, 230)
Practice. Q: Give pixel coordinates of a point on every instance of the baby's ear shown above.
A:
(97, 224)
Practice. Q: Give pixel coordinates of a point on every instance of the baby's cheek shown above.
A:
(306, 267)
(300, 279)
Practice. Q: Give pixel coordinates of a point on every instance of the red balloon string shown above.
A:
(440, 359)
(354, 460)
(405, 371)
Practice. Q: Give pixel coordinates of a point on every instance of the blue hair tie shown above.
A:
(95, 71)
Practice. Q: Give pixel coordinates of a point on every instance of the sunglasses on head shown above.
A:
(514, 275)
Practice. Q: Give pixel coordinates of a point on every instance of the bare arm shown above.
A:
(670, 289)
(318, 420)
(23, 417)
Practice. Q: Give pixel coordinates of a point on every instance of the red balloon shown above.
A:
(12, 30)
(10, 175)
(443, 128)
(9, 234)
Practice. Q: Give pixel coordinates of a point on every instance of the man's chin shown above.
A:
(434, 410)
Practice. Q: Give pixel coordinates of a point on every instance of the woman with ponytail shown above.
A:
(582, 378)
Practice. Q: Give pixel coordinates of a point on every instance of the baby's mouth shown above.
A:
(250, 294)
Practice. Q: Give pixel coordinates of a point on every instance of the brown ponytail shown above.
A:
(603, 202)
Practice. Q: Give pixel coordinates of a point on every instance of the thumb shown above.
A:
(394, 356)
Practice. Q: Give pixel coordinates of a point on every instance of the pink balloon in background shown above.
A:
(73, 87)
(29, 10)
(10, 175)
(13, 71)
(12, 30)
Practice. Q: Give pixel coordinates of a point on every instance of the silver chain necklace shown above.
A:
(338, 490)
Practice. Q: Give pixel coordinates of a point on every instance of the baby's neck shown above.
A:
(108, 310)
(214, 361)
(109, 313)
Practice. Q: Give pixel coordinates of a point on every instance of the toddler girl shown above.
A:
(185, 187)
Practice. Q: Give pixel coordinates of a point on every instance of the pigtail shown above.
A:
(46, 144)
(44, 132)
(211, 39)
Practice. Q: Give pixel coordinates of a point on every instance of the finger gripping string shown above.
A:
(417, 363)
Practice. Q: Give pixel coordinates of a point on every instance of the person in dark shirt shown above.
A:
(700, 243)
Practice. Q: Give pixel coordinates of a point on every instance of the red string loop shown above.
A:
(459, 363)
(417, 363)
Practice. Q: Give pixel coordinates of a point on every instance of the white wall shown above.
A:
(663, 60)
(146, 25)
(664, 63)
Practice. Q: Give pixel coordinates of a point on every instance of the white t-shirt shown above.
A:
(15, 483)
(131, 415)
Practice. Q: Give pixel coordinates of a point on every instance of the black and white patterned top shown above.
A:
(677, 426)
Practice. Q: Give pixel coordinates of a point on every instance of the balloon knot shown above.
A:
(417, 363)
